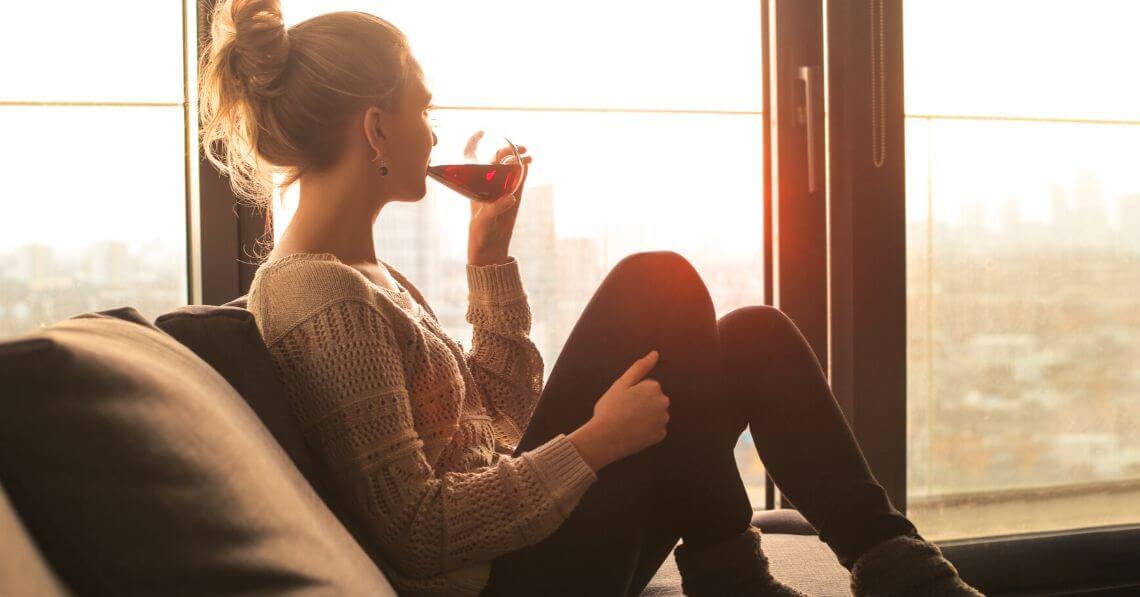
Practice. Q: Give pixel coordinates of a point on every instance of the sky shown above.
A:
(1026, 59)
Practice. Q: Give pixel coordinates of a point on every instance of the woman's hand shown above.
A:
(492, 224)
(628, 418)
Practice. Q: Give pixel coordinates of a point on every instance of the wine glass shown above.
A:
(482, 167)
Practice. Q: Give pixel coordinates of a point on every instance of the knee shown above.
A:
(661, 267)
(761, 323)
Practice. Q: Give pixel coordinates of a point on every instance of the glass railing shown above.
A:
(1023, 299)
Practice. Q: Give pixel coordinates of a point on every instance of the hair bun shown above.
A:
(261, 44)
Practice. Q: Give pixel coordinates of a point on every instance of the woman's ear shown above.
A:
(374, 125)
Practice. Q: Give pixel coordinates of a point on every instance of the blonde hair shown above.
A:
(275, 100)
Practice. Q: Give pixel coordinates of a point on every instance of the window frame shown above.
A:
(795, 201)
(867, 318)
(866, 236)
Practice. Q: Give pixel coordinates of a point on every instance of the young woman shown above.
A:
(460, 473)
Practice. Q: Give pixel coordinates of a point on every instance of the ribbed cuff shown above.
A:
(495, 283)
(470, 580)
(561, 467)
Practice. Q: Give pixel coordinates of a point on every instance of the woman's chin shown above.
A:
(412, 195)
(420, 191)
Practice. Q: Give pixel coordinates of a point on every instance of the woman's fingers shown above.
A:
(500, 205)
(469, 150)
(504, 152)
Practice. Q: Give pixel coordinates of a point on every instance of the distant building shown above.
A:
(533, 243)
(109, 265)
(33, 262)
(1089, 222)
(407, 236)
(1129, 210)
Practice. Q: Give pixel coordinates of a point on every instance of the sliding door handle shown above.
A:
(809, 76)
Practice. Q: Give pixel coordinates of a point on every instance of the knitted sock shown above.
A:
(907, 566)
(734, 566)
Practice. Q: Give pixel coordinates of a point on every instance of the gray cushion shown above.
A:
(783, 521)
(801, 561)
(139, 470)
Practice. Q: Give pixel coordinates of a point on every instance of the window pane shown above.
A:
(1042, 58)
(1023, 284)
(94, 217)
(601, 187)
(78, 50)
(588, 53)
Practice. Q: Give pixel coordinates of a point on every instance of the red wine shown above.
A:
(481, 182)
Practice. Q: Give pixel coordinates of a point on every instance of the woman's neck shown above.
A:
(332, 217)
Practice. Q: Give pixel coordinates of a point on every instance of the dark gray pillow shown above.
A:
(228, 339)
(783, 521)
(140, 471)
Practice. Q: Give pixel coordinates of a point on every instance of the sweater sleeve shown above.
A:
(345, 373)
(504, 361)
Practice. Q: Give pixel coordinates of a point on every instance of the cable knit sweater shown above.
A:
(416, 434)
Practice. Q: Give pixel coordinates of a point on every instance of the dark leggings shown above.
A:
(751, 367)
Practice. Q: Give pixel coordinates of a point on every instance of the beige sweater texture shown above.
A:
(415, 433)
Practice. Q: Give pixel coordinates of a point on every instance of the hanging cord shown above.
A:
(878, 88)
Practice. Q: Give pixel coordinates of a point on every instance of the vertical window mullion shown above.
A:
(223, 233)
(798, 197)
(867, 231)
(192, 35)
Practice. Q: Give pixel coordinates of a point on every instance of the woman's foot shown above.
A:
(907, 566)
(735, 566)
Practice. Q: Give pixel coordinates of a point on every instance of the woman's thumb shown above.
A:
(639, 369)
